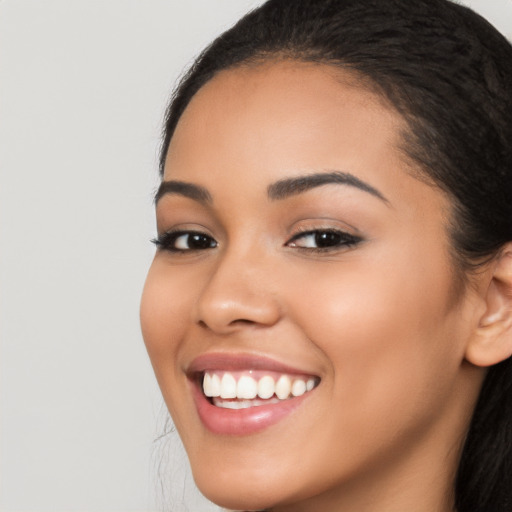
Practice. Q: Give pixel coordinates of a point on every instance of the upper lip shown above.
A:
(240, 362)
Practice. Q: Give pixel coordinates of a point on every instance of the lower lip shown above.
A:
(239, 422)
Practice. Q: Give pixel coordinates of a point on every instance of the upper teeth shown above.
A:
(247, 387)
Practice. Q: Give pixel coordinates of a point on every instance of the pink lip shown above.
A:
(234, 362)
(238, 422)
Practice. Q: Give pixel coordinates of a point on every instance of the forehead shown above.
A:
(272, 111)
(253, 126)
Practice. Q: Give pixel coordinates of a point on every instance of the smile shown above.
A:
(241, 395)
(240, 390)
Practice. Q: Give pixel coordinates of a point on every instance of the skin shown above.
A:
(382, 322)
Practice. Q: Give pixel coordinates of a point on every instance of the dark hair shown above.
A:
(448, 72)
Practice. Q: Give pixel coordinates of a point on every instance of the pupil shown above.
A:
(199, 242)
(326, 239)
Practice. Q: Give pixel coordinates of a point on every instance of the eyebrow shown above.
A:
(182, 188)
(297, 185)
(281, 189)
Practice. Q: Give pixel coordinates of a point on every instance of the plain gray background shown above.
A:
(83, 86)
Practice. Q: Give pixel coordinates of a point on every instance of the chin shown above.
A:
(249, 497)
(238, 488)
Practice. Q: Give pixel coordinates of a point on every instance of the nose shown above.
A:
(239, 293)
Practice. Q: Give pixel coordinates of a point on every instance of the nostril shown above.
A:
(233, 323)
(242, 321)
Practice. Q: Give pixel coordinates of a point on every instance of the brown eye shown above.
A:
(193, 241)
(327, 239)
(323, 239)
(182, 241)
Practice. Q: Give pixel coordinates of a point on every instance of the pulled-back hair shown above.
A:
(448, 72)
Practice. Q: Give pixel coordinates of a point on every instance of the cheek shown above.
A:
(165, 306)
(390, 336)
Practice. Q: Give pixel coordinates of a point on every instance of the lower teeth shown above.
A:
(242, 404)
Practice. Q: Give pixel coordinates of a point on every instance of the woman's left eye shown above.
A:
(323, 240)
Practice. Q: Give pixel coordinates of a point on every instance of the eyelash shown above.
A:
(167, 241)
(339, 239)
(342, 240)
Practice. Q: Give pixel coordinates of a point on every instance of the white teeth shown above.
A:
(247, 387)
(298, 387)
(207, 385)
(266, 387)
(228, 386)
(215, 385)
(239, 404)
(242, 404)
(283, 387)
(211, 385)
(249, 392)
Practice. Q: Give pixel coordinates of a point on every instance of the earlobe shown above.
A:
(491, 342)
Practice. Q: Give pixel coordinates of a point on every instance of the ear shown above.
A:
(491, 342)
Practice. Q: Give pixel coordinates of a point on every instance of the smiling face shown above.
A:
(295, 246)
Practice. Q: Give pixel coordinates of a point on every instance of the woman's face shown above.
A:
(299, 256)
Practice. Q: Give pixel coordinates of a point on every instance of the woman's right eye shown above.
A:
(184, 241)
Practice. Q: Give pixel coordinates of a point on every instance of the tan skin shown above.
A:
(375, 315)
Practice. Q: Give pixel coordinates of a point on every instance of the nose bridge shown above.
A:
(239, 291)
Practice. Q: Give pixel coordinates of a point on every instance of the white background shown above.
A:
(83, 86)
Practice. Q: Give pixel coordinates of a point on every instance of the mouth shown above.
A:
(240, 395)
(253, 388)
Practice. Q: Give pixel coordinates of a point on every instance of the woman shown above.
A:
(329, 310)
